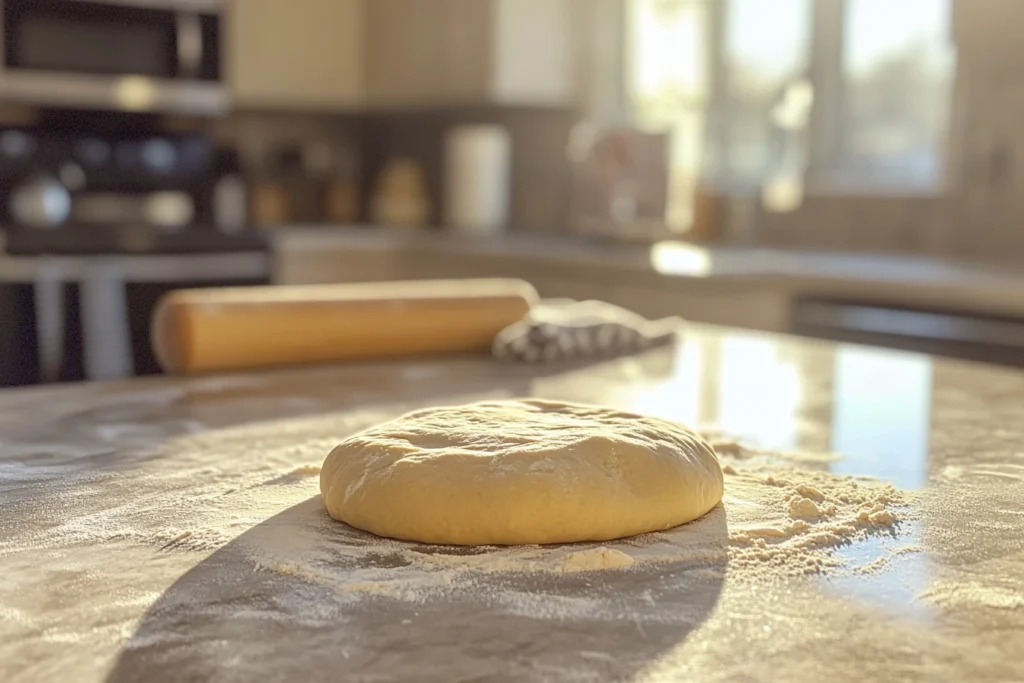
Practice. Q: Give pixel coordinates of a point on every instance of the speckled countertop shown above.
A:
(130, 512)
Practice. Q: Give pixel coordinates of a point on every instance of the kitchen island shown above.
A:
(171, 530)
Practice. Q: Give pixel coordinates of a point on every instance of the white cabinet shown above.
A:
(306, 54)
(436, 52)
(344, 54)
(533, 48)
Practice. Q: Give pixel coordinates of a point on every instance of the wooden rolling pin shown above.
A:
(212, 330)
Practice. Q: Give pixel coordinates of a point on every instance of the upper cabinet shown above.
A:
(345, 54)
(302, 54)
(438, 52)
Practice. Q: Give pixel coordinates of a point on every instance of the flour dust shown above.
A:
(255, 487)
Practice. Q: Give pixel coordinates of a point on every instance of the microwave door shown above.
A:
(134, 56)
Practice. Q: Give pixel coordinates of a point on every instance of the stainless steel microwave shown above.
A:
(130, 55)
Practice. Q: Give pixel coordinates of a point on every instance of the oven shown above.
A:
(128, 55)
(100, 214)
(75, 318)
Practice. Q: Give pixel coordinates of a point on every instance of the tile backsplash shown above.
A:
(540, 168)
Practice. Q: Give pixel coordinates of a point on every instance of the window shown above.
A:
(667, 82)
(897, 74)
(838, 94)
(766, 48)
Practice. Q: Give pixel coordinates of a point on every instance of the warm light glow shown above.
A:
(758, 393)
(668, 87)
(135, 93)
(877, 30)
(767, 41)
(678, 258)
(679, 398)
(667, 48)
(882, 414)
(783, 194)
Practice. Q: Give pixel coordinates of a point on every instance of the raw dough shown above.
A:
(519, 472)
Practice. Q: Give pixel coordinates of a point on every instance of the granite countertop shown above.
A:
(161, 268)
(170, 530)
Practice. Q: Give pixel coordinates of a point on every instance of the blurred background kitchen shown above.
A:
(843, 169)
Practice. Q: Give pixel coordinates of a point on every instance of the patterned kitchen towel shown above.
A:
(562, 329)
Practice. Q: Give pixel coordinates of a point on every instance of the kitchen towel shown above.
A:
(562, 330)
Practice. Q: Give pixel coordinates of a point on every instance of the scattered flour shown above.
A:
(595, 558)
(255, 487)
(305, 471)
(774, 522)
(972, 594)
(880, 563)
(729, 447)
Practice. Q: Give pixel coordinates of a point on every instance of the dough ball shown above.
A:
(520, 472)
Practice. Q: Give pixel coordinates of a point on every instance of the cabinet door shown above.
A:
(534, 53)
(300, 53)
(467, 39)
(430, 52)
(405, 51)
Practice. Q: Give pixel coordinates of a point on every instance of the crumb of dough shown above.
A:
(805, 508)
(595, 559)
(810, 492)
(876, 515)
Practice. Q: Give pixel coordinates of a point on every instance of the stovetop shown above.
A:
(130, 239)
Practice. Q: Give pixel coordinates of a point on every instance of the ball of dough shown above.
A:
(520, 472)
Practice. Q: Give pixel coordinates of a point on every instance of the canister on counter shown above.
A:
(477, 178)
(400, 195)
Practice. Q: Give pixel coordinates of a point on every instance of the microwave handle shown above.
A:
(190, 44)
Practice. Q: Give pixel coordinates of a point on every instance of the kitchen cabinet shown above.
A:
(304, 54)
(436, 52)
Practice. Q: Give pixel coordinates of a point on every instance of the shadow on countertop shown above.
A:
(234, 618)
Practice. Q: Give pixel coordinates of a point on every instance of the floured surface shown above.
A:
(158, 542)
(264, 555)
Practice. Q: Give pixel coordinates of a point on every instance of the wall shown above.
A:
(986, 198)
(903, 224)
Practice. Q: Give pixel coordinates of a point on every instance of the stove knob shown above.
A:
(93, 152)
(160, 155)
(16, 144)
(42, 202)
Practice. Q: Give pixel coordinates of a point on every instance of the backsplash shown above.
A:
(541, 175)
(541, 178)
